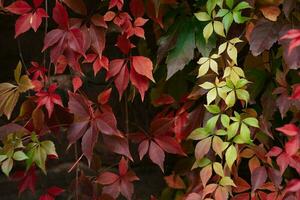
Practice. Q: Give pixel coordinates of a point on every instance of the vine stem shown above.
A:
(77, 174)
(126, 113)
(21, 55)
(45, 31)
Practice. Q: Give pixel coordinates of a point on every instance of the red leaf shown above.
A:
(46, 197)
(55, 191)
(292, 146)
(115, 67)
(99, 63)
(104, 96)
(19, 7)
(109, 16)
(118, 145)
(258, 178)
(88, 142)
(175, 181)
(143, 148)
(49, 98)
(118, 3)
(37, 3)
(193, 196)
(293, 185)
(282, 161)
(140, 21)
(164, 99)
(107, 123)
(202, 148)
(107, 178)
(122, 80)
(123, 43)
(289, 129)
(242, 185)
(99, 20)
(27, 180)
(140, 82)
(275, 151)
(52, 38)
(157, 155)
(137, 8)
(77, 83)
(97, 39)
(123, 167)
(143, 66)
(294, 36)
(60, 15)
(169, 144)
(296, 92)
(22, 24)
(221, 193)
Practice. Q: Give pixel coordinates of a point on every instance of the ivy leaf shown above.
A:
(77, 6)
(9, 93)
(258, 178)
(205, 174)
(263, 36)
(202, 148)
(19, 156)
(7, 166)
(289, 129)
(230, 156)
(183, 52)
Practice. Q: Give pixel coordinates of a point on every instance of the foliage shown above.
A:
(219, 79)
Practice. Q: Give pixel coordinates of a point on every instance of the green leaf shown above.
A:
(2, 157)
(238, 18)
(7, 166)
(227, 21)
(19, 156)
(251, 121)
(243, 95)
(214, 109)
(210, 5)
(222, 12)
(198, 134)
(227, 181)
(202, 16)
(201, 163)
(230, 156)
(241, 83)
(211, 123)
(230, 99)
(232, 130)
(39, 157)
(244, 136)
(183, 52)
(242, 5)
(229, 3)
(218, 168)
(225, 120)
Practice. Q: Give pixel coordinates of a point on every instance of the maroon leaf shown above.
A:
(55, 191)
(143, 148)
(123, 44)
(77, 6)
(282, 161)
(118, 145)
(118, 3)
(258, 178)
(122, 80)
(107, 178)
(169, 144)
(88, 142)
(137, 8)
(263, 36)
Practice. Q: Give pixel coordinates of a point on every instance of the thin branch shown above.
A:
(21, 55)
(45, 32)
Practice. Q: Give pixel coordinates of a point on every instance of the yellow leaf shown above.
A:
(25, 84)
(230, 99)
(211, 95)
(222, 48)
(202, 16)
(207, 85)
(208, 30)
(214, 66)
(17, 72)
(219, 28)
(232, 53)
(203, 69)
